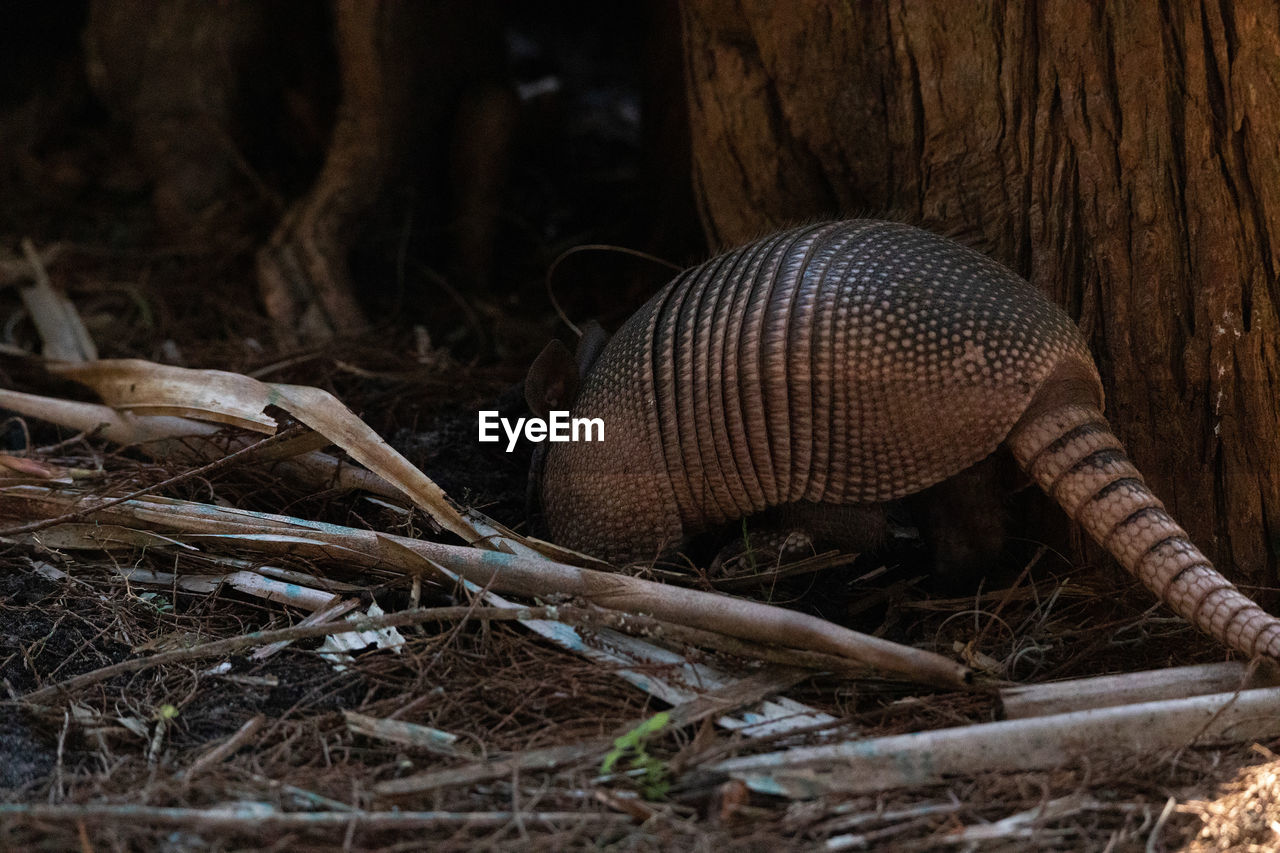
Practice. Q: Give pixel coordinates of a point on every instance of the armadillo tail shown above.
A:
(1072, 453)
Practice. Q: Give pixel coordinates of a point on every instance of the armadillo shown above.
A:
(855, 363)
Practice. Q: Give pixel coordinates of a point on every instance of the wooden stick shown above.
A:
(250, 728)
(508, 573)
(927, 758)
(1077, 694)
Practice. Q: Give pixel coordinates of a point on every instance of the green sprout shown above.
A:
(156, 600)
(653, 771)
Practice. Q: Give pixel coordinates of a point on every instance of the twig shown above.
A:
(407, 734)
(341, 608)
(976, 642)
(76, 515)
(592, 247)
(296, 632)
(747, 691)
(252, 818)
(741, 618)
(1153, 840)
(227, 747)
(1078, 694)
(744, 619)
(62, 332)
(15, 269)
(640, 625)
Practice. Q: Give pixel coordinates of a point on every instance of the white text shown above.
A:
(558, 426)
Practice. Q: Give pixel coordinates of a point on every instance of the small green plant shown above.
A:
(156, 600)
(654, 783)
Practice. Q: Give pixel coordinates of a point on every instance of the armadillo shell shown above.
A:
(849, 362)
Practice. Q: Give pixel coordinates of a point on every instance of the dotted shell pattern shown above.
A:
(849, 362)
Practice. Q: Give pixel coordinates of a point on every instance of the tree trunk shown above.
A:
(1121, 156)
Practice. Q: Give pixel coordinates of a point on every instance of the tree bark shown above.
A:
(1121, 156)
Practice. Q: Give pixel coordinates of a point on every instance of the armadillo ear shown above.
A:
(552, 383)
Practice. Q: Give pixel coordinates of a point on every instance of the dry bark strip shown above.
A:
(1078, 694)
(1035, 743)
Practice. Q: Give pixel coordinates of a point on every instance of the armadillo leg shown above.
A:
(1072, 453)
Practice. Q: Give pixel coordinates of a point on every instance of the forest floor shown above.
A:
(228, 752)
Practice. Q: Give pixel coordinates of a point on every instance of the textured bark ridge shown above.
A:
(1121, 156)
(854, 363)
